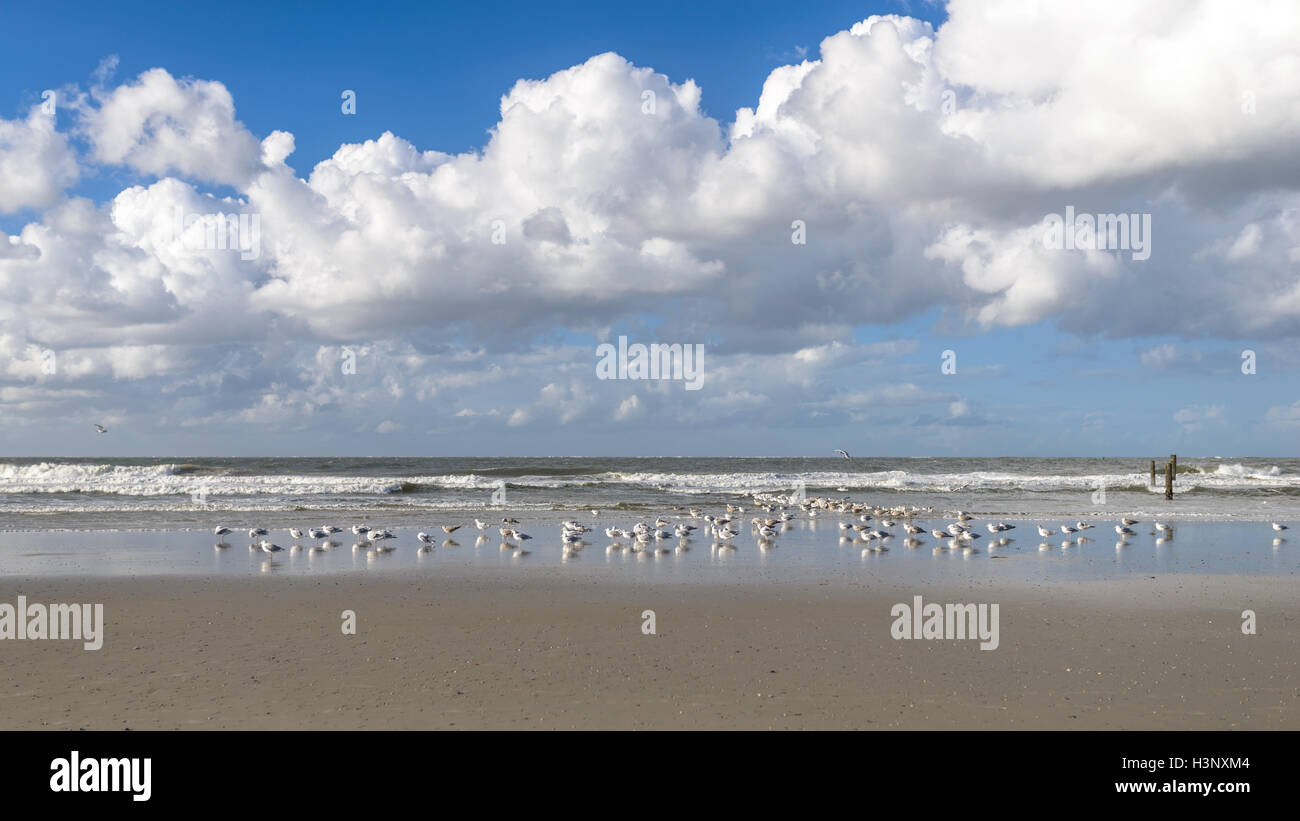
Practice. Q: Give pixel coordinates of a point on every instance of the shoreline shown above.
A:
(800, 551)
(478, 649)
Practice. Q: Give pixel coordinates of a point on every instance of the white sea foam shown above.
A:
(1228, 477)
(179, 480)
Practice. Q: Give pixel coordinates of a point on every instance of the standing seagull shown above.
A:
(1279, 528)
(100, 429)
(843, 453)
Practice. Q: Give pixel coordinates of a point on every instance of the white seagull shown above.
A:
(843, 453)
(1279, 528)
(100, 429)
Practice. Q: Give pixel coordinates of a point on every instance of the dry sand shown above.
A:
(486, 649)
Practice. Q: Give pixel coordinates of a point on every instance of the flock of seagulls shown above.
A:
(867, 526)
(367, 537)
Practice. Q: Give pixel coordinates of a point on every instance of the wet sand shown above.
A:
(486, 648)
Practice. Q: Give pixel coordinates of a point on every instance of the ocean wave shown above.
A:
(190, 480)
(825, 483)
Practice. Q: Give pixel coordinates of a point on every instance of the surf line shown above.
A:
(950, 621)
(78, 622)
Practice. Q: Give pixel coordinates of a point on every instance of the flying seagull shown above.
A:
(100, 429)
(843, 453)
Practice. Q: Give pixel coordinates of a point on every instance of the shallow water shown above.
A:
(806, 550)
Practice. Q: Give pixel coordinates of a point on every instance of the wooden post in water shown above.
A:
(1152, 483)
(1173, 460)
(1169, 480)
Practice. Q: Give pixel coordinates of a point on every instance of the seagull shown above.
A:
(332, 529)
(1129, 521)
(1162, 526)
(1044, 532)
(595, 512)
(449, 529)
(221, 530)
(267, 547)
(1279, 528)
(1082, 526)
(295, 532)
(843, 453)
(1067, 530)
(1124, 531)
(481, 525)
(360, 530)
(255, 532)
(317, 533)
(100, 429)
(425, 538)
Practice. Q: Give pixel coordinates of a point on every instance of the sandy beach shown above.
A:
(485, 648)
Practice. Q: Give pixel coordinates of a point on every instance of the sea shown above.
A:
(184, 492)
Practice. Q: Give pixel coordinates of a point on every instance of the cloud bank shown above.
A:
(918, 165)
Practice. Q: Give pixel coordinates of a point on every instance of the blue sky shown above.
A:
(421, 70)
(922, 152)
